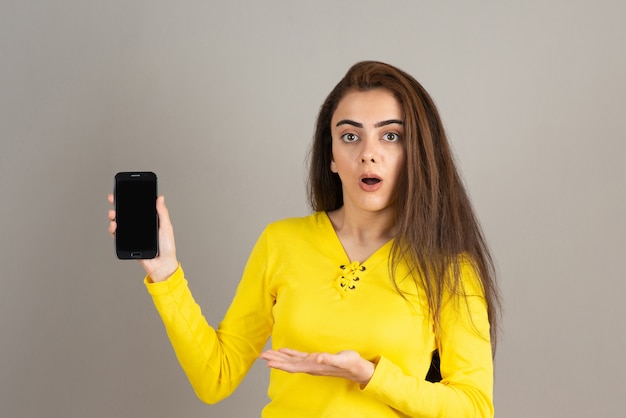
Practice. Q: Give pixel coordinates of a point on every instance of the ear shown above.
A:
(333, 166)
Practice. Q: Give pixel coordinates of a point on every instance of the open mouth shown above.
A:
(370, 181)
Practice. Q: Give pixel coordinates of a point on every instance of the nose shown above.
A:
(369, 152)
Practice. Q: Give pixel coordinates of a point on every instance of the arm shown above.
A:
(466, 388)
(216, 361)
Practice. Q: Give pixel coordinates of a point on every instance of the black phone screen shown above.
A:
(136, 236)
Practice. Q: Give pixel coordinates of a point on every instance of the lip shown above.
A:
(370, 187)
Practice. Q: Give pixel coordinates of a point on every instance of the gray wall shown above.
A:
(220, 100)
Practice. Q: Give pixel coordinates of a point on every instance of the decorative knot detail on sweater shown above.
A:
(349, 280)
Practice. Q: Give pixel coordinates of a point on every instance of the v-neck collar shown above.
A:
(380, 254)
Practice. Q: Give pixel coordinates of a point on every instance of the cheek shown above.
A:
(399, 162)
(340, 159)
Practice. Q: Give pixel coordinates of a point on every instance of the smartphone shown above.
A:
(137, 233)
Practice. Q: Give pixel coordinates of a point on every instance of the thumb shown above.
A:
(164, 214)
(326, 359)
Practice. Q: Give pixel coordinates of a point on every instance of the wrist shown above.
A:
(367, 371)
(164, 272)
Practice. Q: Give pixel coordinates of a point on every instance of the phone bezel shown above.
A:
(137, 253)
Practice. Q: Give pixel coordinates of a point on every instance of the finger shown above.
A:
(269, 355)
(273, 355)
(266, 355)
(164, 214)
(110, 198)
(341, 360)
(112, 228)
(111, 215)
(330, 360)
(293, 353)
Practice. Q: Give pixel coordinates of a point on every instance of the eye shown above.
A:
(349, 137)
(391, 137)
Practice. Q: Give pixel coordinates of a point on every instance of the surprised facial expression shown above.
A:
(368, 153)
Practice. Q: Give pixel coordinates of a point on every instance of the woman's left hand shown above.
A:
(347, 364)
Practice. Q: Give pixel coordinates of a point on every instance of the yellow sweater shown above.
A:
(299, 287)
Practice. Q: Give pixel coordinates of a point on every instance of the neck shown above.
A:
(363, 226)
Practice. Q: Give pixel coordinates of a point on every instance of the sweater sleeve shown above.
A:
(466, 388)
(216, 360)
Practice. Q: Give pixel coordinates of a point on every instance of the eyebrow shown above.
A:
(378, 125)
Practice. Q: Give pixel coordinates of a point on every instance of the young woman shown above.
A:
(390, 270)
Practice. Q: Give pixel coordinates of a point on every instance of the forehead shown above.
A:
(368, 106)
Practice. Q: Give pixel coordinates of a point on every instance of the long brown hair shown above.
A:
(437, 229)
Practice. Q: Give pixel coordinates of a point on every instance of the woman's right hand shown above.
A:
(165, 264)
